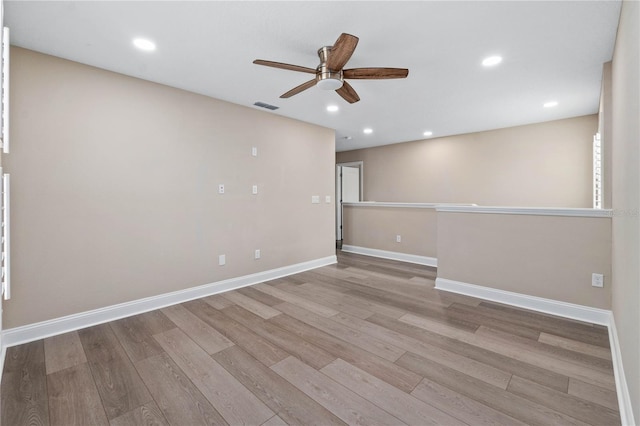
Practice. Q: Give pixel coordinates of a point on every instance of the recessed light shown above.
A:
(428, 133)
(332, 108)
(491, 61)
(144, 44)
(367, 131)
(550, 104)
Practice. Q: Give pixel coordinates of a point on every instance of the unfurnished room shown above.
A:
(320, 213)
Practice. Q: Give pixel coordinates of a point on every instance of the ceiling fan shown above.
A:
(329, 75)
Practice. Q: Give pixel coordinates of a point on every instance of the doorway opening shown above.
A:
(349, 189)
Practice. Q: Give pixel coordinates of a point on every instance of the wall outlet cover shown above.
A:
(597, 280)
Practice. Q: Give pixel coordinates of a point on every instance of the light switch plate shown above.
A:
(222, 259)
(254, 189)
(327, 199)
(315, 199)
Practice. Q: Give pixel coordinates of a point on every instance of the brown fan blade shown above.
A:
(284, 66)
(341, 51)
(375, 73)
(347, 93)
(298, 89)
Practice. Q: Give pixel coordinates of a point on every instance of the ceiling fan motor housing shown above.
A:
(326, 78)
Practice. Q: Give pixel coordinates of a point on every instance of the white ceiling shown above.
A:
(553, 50)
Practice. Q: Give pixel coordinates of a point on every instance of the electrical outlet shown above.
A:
(327, 199)
(597, 280)
(257, 254)
(398, 238)
(221, 188)
(222, 259)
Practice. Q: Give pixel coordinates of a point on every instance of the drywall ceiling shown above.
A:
(552, 50)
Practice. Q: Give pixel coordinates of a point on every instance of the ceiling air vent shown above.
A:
(267, 106)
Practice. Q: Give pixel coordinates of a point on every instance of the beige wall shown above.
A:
(626, 195)
(114, 189)
(377, 227)
(545, 165)
(544, 256)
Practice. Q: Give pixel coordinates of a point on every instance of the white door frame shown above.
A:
(338, 198)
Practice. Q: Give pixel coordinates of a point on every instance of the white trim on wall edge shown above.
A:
(401, 205)
(3, 355)
(384, 254)
(535, 211)
(624, 399)
(31, 332)
(547, 306)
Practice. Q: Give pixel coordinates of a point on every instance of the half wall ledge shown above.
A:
(535, 211)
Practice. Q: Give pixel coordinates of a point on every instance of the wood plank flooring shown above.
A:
(367, 341)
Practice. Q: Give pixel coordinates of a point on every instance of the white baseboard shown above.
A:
(3, 355)
(624, 399)
(403, 257)
(562, 309)
(37, 331)
(548, 306)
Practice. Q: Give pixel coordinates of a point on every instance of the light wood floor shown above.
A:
(367, 341)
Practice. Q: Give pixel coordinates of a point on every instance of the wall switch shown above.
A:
(222, 259)
(254, 189)
(257, 254)
(597, 280)
(221, 189)
(398, 238)
(254, 151)
(315, 199)
(327, 199)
